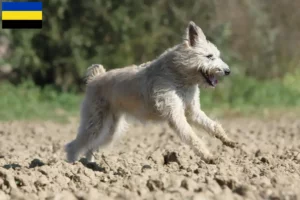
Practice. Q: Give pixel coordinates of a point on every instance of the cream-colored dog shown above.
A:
(165, 89)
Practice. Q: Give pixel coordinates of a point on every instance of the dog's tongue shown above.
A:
(213, 80)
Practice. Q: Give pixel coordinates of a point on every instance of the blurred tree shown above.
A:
(78, 33)
(114, 33)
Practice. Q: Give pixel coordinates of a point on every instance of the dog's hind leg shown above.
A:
(89, 156)
(72, 151)
(98, 137)
(113, 126)
(83, 144)
(91, 125)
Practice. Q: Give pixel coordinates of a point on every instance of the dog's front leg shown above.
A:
(197, 117)
(175, 115)
(179, 124)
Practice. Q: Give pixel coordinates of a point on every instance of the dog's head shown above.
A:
(200, 59)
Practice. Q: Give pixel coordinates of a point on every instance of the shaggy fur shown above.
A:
(165, 89)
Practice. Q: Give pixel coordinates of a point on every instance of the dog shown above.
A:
(165, 89)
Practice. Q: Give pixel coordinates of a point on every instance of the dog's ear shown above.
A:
(194, 34)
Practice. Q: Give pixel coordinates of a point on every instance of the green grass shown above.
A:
(246, 95)
(28, 101)
(237, 95)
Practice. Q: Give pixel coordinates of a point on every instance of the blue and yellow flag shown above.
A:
(22, 15)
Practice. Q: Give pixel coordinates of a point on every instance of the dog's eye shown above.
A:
(210, 56)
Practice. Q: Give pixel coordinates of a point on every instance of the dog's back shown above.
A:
(125, 89)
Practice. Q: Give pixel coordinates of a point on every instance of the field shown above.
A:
(151, 163)
(42, 84)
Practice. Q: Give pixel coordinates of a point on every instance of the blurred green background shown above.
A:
(41, 71)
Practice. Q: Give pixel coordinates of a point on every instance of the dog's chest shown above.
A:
(187, 94)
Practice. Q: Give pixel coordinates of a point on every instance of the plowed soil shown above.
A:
(150, 162)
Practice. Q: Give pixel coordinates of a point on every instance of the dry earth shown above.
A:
(151, 163)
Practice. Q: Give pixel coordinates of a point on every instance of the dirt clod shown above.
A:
(264, 160)
(36, 163)
(155, 185)
(171, 157)
(146, 167)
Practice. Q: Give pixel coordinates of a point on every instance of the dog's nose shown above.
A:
(227, 72)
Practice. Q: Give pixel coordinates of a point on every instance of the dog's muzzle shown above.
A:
(226, 72)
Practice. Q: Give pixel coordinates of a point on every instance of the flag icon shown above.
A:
(22, 15)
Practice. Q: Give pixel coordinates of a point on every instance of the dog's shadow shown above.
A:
(92, 165)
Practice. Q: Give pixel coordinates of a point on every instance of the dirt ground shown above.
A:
(151, 163)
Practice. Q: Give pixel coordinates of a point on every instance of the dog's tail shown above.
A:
(93, 71)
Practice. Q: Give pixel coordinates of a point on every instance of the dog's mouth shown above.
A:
(210, 79)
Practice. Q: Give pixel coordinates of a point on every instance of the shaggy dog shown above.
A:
(165, 89)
